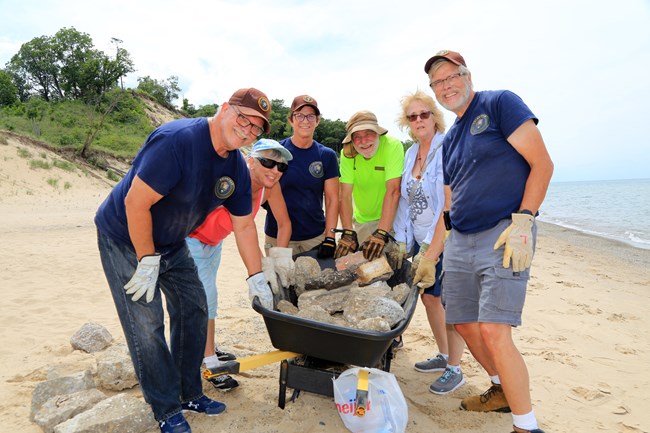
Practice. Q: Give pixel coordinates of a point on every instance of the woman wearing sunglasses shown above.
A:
(267, 162)
(420, 205)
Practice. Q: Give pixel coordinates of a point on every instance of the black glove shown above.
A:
(347, 244)
(374, 245)
(326, 248)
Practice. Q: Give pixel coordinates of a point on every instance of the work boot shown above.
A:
(521, 430)
(492, 400)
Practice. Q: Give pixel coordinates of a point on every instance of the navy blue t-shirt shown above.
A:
(179, 162)
(486, 174)
(303, 185)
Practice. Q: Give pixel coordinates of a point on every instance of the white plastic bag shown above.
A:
(386, 410)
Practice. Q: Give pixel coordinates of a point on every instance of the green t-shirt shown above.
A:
(369, 176)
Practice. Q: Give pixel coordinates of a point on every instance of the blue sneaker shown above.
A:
(175, 424)
(204, 405)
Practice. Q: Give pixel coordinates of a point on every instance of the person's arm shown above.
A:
(275, 199)
(528, 141)
(389, 207)
(247, 242)
(331, 192)
(138, 202)
(345, 207)
(438, 242)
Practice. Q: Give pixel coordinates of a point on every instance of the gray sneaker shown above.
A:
(447, 382)
(432, 364)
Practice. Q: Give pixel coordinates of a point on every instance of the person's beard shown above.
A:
(370, 151)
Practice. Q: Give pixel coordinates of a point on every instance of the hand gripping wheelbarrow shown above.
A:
(307, 348)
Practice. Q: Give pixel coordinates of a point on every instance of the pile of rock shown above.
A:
(80, 403)
(354, 295)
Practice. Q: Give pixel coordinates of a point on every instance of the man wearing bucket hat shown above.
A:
(267, 161)
(185, 169)
(312, 176)
(371, 169)
(496, 172)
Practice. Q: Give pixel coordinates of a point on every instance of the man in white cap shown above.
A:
(185, 169)
(267, 161)
(371, 171)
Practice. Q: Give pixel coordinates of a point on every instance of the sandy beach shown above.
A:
(584, 334)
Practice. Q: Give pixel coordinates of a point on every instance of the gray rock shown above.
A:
(91, 337)
(115, 369)
(399, 293)
(63, 407)
(377, 324)
(60, 386)
(286, 307)
(317, 313)
(331, 279)
(331, 300)
(306, 269)
(374, 306)
(121, 413)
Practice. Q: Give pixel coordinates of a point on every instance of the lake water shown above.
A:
(615, 209)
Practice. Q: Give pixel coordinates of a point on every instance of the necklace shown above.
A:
(421, 162)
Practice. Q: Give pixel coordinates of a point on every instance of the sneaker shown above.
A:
(223, 383)
(224, 356)
(204, 405)
(492, 400)
(448, 382)
(439, 363)
(521, 430)
(397, 343)
(175, 424)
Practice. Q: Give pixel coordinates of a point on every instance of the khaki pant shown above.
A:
(297, 246)
(365, 230)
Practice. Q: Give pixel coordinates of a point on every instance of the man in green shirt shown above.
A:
(371, 171)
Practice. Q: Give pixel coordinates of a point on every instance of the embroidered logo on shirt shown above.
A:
(379, 168)
(316, 169)
(224, 187)
(479, 124)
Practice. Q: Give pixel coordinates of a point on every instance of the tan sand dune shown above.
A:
(584, 337)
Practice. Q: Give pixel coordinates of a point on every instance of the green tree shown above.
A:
(36, 63)
(165, 91)
(8, 92)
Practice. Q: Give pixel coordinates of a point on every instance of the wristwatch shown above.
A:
(527, 212)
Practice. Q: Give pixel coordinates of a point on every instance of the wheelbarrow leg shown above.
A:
(282, 397)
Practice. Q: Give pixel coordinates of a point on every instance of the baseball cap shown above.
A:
(360, 121)
(451, 56)
(268, 144)
(253, 102)
(302, 100)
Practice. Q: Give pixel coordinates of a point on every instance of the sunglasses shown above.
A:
(270, 163)
(413, 117)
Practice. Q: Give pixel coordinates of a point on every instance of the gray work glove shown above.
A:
(284, 265)
(258, 286)
(268, 268)
(144, 278)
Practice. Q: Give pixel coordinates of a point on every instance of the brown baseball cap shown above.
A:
(302, 100)
(451, 56)
(360, 121)
(253, 102)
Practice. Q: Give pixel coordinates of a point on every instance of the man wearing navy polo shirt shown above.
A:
(496, 172)
(184, 170)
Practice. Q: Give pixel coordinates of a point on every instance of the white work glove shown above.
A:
(518, 240)
(284, 265)
(425, 276)
(258, 286)
(144, 279)
(268, 268)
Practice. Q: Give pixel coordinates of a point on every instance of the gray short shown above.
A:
(477, 286)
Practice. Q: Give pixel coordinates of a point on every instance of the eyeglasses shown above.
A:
(301, 117)
(451, 79)
(270, 163)
(413, 117)
(244, 122)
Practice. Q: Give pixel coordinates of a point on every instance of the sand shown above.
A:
(584, 335)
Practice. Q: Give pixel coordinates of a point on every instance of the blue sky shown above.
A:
(581, 66)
